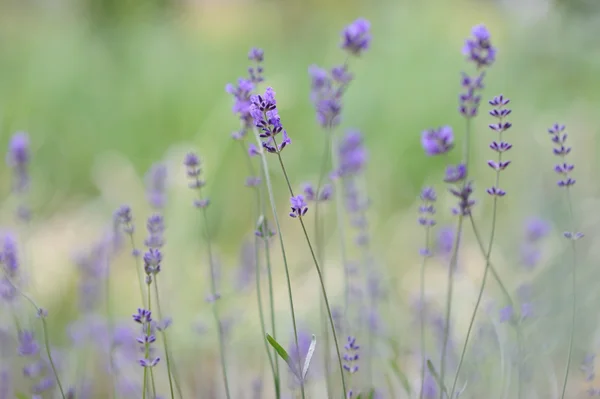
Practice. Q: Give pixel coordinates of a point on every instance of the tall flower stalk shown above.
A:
(564, 170)
(268, 123)
(500, 147)
(426, 210)
(192, 162)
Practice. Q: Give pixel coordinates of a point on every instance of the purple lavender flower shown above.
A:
(156, 185)
(9, 255)
(352, 154)
(156, 228)
(256, 55)
(426, 211)
(241, 94)
(437, 141)
(535, 230)
(356, 37)
(5, 384)
(18, 158)
(28, 345)
(298, 354)
(327, 90)
(455, 173)
(324, 194)
(298, 205)
(478, 48)
(147, 337)
(247, 266)
(266, 118)
(192, 162)
(564, 169)
(124, 218)
(500, 112)
(263, 230)
(351, 356)
(445, 240)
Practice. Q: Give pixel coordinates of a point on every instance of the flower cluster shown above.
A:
(147, 337)
(9, 264)
(351, 356)
(427, 211)
(500, 147)
(38, 370)
(323, 195)
(563, 168)
(437, 141)
(480, 52)
(356, 37)
(298, 205)
(456, 174)
(266, 119)
(255, 72)
(535, 231)
(192, 163)
(156, 185)
(327, 90)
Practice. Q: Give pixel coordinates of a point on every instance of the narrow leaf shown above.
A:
(401, 376)
(436, 376)
(309, 355)
(280, 351)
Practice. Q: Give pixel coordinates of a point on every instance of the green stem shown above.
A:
(170, 367)
(319, 234)
(273, 361)
(213, 287)
(320, 274)
(574, 297)
(281, 243)
(422, 320)
(488, 255)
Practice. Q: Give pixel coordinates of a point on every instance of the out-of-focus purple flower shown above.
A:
(352, 154)
(156, 228)
(324, 194)
(124, 218)
(465, 203)
(298, 353)
(192, 163)
(241, 94)
(257, 55)
(445, 241)
(536, 229)
(427, 210)
(327, 90)
(455, 173)
(156, 185)
(5, 384)
(588, 366)
(247, 266)
(351, 356)
(564, 169)
(478, 48)
(93, 266)
(8, 255)
(298, 205)
(18, 158)
(437, 141)
(28, 345)
(430, 387)
(252, 181)
(470, 98)
(253, 151)
(356, 37)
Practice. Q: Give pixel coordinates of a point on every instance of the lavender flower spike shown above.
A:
(437, 141)
(18, 159)
(299, 206)
(357, 37)
(156, 185)
(478, 48)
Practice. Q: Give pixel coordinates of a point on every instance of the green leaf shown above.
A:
(280, 351)
(309, 355)
(370, 395)
(436, 376)
(401, 376)
(21, 395)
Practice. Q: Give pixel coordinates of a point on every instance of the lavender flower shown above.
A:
(356, 37)
(327, 90)
(147, 338)
(563, 168)
(156, 228)
(156, 185)
(500, 147)
(299, 206)
(192, 162)
(266, 117)
(535, 230)
(18, 158)
(323, 195)
(480, 51)
(437, 141)
(352, 154)
(351, 356)
(478, 48)
(427, 210)
(37, 370)
(241, 106)
(255, 72)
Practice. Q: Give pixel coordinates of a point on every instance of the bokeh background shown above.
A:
(105, 88)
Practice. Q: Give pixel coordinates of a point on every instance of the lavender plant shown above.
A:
(442, 367)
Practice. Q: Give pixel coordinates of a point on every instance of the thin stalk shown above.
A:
(488, 255)
(454, 259)
(574, 297)
(322, 282)
(213, 286)
(170, 367)
(490, 266)
(138, 266)
(281, 243)
(422, 300)
(319, 234)
(273, 361)
(42, 317)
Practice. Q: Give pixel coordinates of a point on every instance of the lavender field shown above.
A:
(299, 200)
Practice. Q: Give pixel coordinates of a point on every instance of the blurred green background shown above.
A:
(106, 88)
